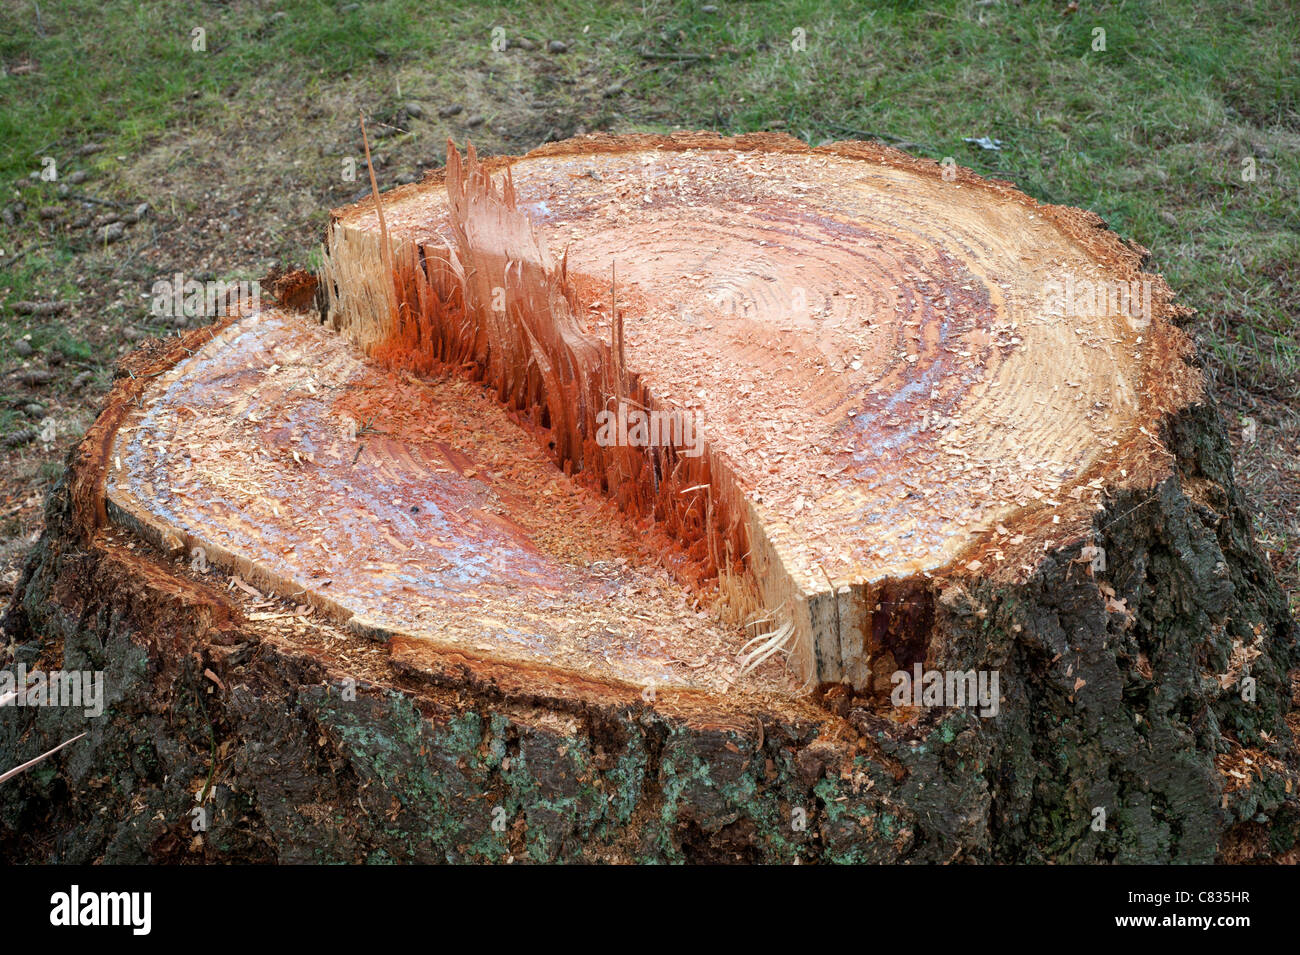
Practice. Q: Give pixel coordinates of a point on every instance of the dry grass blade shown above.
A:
(385, 247)
(32, 762)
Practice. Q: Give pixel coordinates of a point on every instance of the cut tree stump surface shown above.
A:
(881, 372)
(445, 522)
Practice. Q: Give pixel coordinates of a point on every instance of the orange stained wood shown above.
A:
(402, 507)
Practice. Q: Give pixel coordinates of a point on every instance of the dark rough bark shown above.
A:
(422, 762)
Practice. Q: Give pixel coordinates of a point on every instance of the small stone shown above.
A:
(24, 348)
(557, 46)
(449, 111)
(78, 177)
(414, 109)
(523, 43)
(112, 232)
(474, 121)
(89, 149)
(1169, 218)
(33, 410)
(49, 212)
(708, 8)
(141, 210)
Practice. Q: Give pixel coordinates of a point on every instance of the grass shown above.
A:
(1150, 132)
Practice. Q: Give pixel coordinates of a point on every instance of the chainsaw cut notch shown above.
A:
(278, 457)
(490, 300)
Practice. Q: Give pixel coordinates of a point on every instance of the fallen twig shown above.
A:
(82, 197)
(38, 308)
(883, 137)
(11, 261)
(32, 762)
(675, 57)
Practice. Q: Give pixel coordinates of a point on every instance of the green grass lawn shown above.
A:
(1153, 132)
(1150, 132)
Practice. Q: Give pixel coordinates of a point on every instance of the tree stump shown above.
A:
(667, 498)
